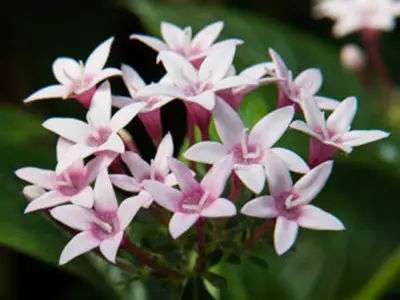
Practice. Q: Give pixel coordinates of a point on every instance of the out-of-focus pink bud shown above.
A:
(353, 58)
(31, 192)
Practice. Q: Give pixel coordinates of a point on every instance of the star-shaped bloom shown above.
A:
(289, 203)
(333, 134)
(76, 79)
(198, 88)
(247, 150)
(100, 133)
(195, 200)
(291, 91)
(151, 112)
(157, 170)
(234, 96)
(103, 226)
(71, 185)
(354, 15)
(180, 41)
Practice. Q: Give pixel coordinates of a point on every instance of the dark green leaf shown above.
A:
(258, 261)
(233, 259)
(217, 280)
(215, 257)
(195, 290)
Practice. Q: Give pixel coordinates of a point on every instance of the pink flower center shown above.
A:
(99, 137)
(287, 206)
(197, 88)
(70, 183)
(195, 201)
(246, 153)
(105, 225)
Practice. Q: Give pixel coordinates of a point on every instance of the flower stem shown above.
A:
(200, 234)
(370, 39)
(192, 139)
(258, 233)
(235, 188)
(146, 258)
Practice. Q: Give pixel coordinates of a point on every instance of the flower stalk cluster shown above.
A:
(80, 192)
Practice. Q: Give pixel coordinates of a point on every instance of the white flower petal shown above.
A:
(293, 161)
(181, 222)
(313, 217)
(183, 175)
(277, 173)
(121, 101)
(63, 145)
(205, 99)
(172, 35)
(155, 43)
(220, 207)
(125, 182)
(99, 113)
(104, 74)
(164, 151)
(304, 127)
(261, 207)
(77, 152)
(253, 176)
(228, 124)
(124, 115)
(40, 177)
(97, 59)
(309, 80)
(312, 183)
(84, 198)
(104, 195)
(66, 70)
(81, 243)
(313, 115)
(109, 247)
(48, 92)
(114, 144)
(128, 209)
(215, 180)
(138, 167)
(269, 129)
(206, 152)
(132, 79)
(326, 103)
(73, 216)
(164, 195)
(285, 234)
(207, 36)
(362, 137)
(340, 120)
(68, 128)
(216, 65)
(234, 81)
(280, 68)
(97, 164)
(47, 200)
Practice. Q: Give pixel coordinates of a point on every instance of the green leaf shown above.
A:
(259, 261)
(195, 290)
(34, 234)
(217, 280)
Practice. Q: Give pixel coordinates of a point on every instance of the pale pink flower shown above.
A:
(73, 185)
(31, 192)
(103, 226)
(78, 80)
(100, 133)
(195, 200)
(354, 15)
(234, 96)
(247, 149)
(289, 203)
(291, 90)
(157, 170)
(353, 58)
(151, 112)
(180, 41)
(333, 134)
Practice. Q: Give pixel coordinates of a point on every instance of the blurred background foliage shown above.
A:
(361, 263)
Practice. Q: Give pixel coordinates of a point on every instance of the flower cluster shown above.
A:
(200, 73)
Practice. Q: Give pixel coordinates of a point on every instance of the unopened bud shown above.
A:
(353, 58)
(127, 138)
(31, 192)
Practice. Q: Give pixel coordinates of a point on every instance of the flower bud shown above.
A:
(31, 192)
(353, 58)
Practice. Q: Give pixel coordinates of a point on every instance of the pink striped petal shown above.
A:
(84, 198)
(285, 234)
(340, 120)
(181, 222)
(253, 176)
(277, 173)
(206, 152)
(261, 207)
(75, 153)
(128, 209)
(109, 247)
(219, 208)
(309, 80)
(183, 175)
(216, 178)
(81, 243)
(362, 137)
(137, 166)
(104, 195)
(313, 217)
(73, 216)
(47, 200)
(293, 161)
(164, 195)
(68, 128)
(125, 183)
(40, 177)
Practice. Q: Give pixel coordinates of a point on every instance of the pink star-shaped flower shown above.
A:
(103, 226)
(180, 41)
(289, 203)
(100, 133)
(247, 149)
(78, 80)
(151, 112)
(157, 170)
(354, 15)
(291, 91)
(333, 134)
(71, 185)
(195, 200)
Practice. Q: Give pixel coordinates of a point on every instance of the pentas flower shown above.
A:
(234, 96)
(354, 15)
(180, 41)
(77, 79)
(247, 149)
(157, 170)
(291, 90)
(195, 200)
(198, 87)
(150, 114)
(289, 203)
(103, 226)
(329, 136)
(71, 185)
(99, 134)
